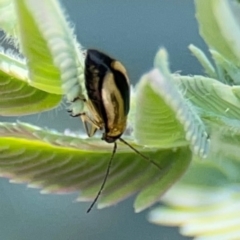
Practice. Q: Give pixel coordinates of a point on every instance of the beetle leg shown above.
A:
(88, 121)
(79, 98)
(76, 115)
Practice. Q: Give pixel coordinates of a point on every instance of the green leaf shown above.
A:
(157, 124)
(219, 27)
(203, 213)
(17, 97)
(169, 114)
(204, 202)
(62, 163)
(54, 59)
(201, 57)
(211, 98)
(164, 117)
(42, 71)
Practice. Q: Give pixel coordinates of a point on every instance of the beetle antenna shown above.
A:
(105, 178)
(137, 152)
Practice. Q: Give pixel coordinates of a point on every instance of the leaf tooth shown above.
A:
(5, 174)
(67, 64)
(35, 185)
(202, 147)
(68, 74)
(188, 135)
(71, 87)
(195, 132)
(199, 140)
(60, 57)
(57, 189)
(56, 37)
(17, 180)
(61, 52)
(206, 148)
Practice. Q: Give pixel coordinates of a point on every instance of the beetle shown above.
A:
(108, 90)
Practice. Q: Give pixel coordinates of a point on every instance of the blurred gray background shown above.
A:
(131, 31)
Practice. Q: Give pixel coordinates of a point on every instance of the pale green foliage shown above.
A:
(204, 202)
(58, 162)
(180, 118)
(18, 97)
(61, 163)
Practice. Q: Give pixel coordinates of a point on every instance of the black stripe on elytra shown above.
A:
(100, 63)
(120, 80)
(123, 87)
